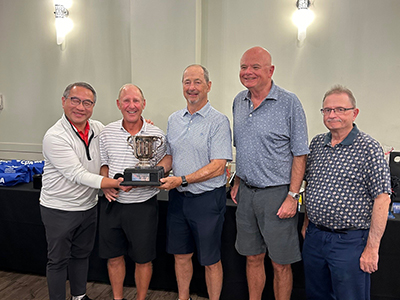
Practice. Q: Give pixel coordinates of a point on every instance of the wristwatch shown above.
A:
(184, 182)
(296, 196)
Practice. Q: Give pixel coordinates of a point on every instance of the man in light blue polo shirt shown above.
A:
(198, 147)
(270, 136)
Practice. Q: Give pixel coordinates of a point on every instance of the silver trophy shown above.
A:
(144, 173)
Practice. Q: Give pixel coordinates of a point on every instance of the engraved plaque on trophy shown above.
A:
(144, 173)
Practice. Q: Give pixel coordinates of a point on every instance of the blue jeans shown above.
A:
(332, 265)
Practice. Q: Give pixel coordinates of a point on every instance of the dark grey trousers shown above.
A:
(70, 239)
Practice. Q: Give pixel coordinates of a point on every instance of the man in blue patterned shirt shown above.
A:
(347, 201)
(198, 146)
(270, 136)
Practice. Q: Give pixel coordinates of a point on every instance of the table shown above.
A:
(23, 249)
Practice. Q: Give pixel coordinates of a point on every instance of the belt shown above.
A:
(341, 230)
(252, 187)
(190, 195)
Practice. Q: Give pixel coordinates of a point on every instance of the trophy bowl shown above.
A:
(144, 173)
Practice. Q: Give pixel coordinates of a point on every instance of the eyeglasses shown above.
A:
(75, 101)
(337, 110)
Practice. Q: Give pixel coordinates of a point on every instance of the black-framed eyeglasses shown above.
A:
(75, 101)
(337, 110)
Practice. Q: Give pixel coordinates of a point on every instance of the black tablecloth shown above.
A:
(23, 249)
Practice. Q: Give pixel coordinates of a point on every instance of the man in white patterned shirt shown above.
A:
(130, 226)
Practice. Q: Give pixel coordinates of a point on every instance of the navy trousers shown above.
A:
(332, 265)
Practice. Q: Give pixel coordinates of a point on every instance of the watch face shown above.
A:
(184, 182)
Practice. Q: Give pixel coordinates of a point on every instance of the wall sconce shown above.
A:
(63, 23)
(302, 17)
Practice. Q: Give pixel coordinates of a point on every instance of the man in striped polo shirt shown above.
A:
(130, 226)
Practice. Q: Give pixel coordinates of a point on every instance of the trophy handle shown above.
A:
(131, 143)
(161, 139)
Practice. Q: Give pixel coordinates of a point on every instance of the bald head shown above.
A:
(256, 70)
(260, 53)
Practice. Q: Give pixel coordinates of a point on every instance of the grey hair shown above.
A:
(81, 84)
(130, 84)
(205, 71)
(340, 89)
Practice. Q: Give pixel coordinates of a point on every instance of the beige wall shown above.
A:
(354, 43)
(34, 71)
